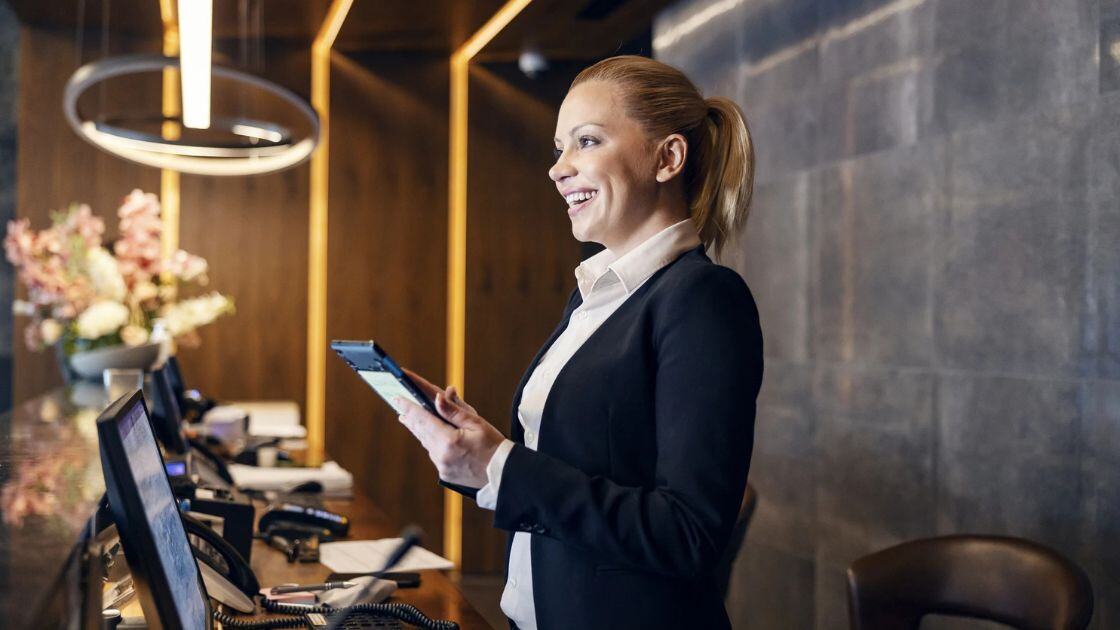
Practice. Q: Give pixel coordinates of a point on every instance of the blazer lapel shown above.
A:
(514, 424)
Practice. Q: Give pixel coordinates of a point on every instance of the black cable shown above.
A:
(229, 621)
(295, 616)
(404, 612)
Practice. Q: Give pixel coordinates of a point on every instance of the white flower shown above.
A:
(190, 314)
(102, 318)
(105, 275)
(133, 335)
(23, 307)
(144, 291)
(50, 330)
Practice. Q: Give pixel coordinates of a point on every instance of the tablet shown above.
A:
(382, 373)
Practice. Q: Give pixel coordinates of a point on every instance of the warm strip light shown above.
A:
(457, 242)
(315, 417)
(196, 22)
(169, 179)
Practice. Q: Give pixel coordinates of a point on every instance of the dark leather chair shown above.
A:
(1007, 580)
(738, 534)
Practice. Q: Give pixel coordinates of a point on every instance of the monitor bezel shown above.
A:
(126, 508)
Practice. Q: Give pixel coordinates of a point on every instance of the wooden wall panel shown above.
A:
(388, 265)
(56, 167)
(253, 232)
(521, 255)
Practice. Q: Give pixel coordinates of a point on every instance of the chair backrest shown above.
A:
(1008, 580)
(738, 534)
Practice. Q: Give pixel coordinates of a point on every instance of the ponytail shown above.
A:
(722, 177)
(719, 171)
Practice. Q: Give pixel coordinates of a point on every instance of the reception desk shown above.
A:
(50, 485)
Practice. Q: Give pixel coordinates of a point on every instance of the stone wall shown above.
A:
(935, 249)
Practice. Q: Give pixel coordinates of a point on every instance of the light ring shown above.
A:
(207, 160)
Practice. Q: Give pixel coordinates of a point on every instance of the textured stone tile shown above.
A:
(874, 239)
(1100, 478)
(778, 230)
(1050, 54)
(998, 59)
(875, 463)
(831, 610)
(1008, 459)
(962, 23)
(966, 87)
(782, 468)
(770, 589)
(869, 40)
(770, 80)
(700, 38)
(1011, 279)
(785, 134)
(881, 109)
(1102, 328)
(786, 399)
(1110, 55)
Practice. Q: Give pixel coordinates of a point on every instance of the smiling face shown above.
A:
(605, 166)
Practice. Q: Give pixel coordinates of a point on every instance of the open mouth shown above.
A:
(577, 200)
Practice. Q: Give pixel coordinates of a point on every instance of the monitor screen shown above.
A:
(175, 377)
(167, 419)
(152, 533)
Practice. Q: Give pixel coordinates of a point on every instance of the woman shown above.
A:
(633, 426)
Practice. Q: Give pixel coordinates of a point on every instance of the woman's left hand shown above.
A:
(461, 450)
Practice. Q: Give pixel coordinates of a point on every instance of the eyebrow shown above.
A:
(581, 125)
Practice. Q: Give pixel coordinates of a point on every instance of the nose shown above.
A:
(562, 168)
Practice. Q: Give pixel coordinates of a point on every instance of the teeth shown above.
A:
(580, 197)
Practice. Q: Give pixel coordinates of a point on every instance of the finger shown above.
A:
(426, 427)
(422, 382)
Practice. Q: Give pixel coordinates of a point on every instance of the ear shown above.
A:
(671, 155)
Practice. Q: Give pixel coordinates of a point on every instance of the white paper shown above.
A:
(273, 418)
(333, 477)
(365, 556)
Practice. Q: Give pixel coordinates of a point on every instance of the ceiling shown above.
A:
(561, 29)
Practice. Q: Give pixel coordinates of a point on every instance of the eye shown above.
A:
(556, 153)
(585, 141)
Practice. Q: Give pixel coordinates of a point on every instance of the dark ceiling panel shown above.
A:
(561, 29)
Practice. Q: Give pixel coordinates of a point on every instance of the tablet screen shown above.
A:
(387, 386)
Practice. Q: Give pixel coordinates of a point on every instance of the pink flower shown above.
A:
(31, 336)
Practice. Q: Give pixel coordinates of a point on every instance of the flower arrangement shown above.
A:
(84, 296)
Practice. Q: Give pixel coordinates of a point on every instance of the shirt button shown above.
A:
(513, 582)
(583, 316)
(530, 436)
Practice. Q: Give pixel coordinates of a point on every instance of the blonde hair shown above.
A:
(719, 168)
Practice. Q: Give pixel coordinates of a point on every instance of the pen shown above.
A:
(297, 588)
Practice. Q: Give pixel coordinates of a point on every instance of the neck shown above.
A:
(666, 212)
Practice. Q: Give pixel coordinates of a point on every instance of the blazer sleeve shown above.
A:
(708, 345)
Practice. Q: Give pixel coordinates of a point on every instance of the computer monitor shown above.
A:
(175, 377)
(167, 418)
(163, 567)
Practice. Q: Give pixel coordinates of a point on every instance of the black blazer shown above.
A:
(642, 459)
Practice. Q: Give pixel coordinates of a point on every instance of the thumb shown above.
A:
(453, 413)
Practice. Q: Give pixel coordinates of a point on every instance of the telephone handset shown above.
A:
(216, 462)
(225, 573)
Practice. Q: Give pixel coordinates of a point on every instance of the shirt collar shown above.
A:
(638, 264)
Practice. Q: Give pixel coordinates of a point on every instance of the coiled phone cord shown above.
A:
(403, 612)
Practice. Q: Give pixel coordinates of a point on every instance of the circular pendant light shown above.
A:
(257, 147)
